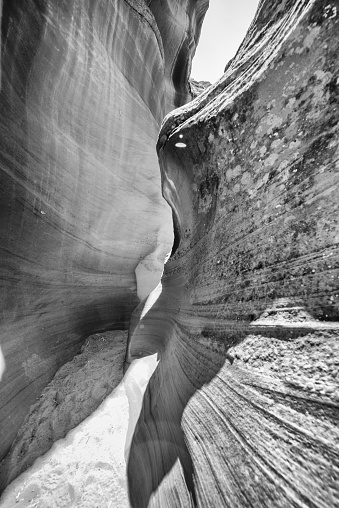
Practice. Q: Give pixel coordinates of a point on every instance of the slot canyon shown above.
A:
(169, 258)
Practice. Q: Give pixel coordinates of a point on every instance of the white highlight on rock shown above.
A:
(152, 298)
(150, 269)
(2, 364)
(135, 382)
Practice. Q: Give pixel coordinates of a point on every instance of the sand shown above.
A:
(87, 468)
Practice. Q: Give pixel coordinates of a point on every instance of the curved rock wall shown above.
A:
(179, 24)
(83, 92)
(243, 408)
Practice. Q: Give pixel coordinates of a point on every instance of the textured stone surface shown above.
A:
(74, 393)
(84, 87)
(87, 468)
(84, 470)
(243, 408)
(197, 87)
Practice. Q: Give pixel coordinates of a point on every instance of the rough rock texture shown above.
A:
(84, 87)
(76, 390)
(197, 87)
(84, 470)
(243, 409)
(87, 469)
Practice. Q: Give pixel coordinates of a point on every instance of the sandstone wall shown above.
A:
(243, 408)
(83, 93)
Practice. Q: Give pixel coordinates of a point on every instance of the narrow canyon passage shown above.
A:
(84, 88)
(84, 230)
(231, 389)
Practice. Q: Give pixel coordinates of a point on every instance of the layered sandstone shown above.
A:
(84, 87)
(243, 409)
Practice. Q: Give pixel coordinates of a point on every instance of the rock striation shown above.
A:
(243, 408)
(197, 87)
(84, 87)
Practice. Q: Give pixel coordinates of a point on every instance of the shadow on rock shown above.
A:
(158, 444)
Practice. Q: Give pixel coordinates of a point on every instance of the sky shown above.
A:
(224, 27)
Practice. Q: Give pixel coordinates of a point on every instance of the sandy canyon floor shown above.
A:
(87, 468)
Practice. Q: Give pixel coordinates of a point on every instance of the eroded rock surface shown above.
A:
(197, 87)
(84, 87)
(74, 393)
(87, 468)
(243, 409)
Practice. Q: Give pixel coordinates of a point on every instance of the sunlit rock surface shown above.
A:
(84, 87)
(243, 408)
(197, 87)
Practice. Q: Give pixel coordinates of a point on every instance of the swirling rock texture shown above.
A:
(84, 87)
(179, 24)
(243, 408)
